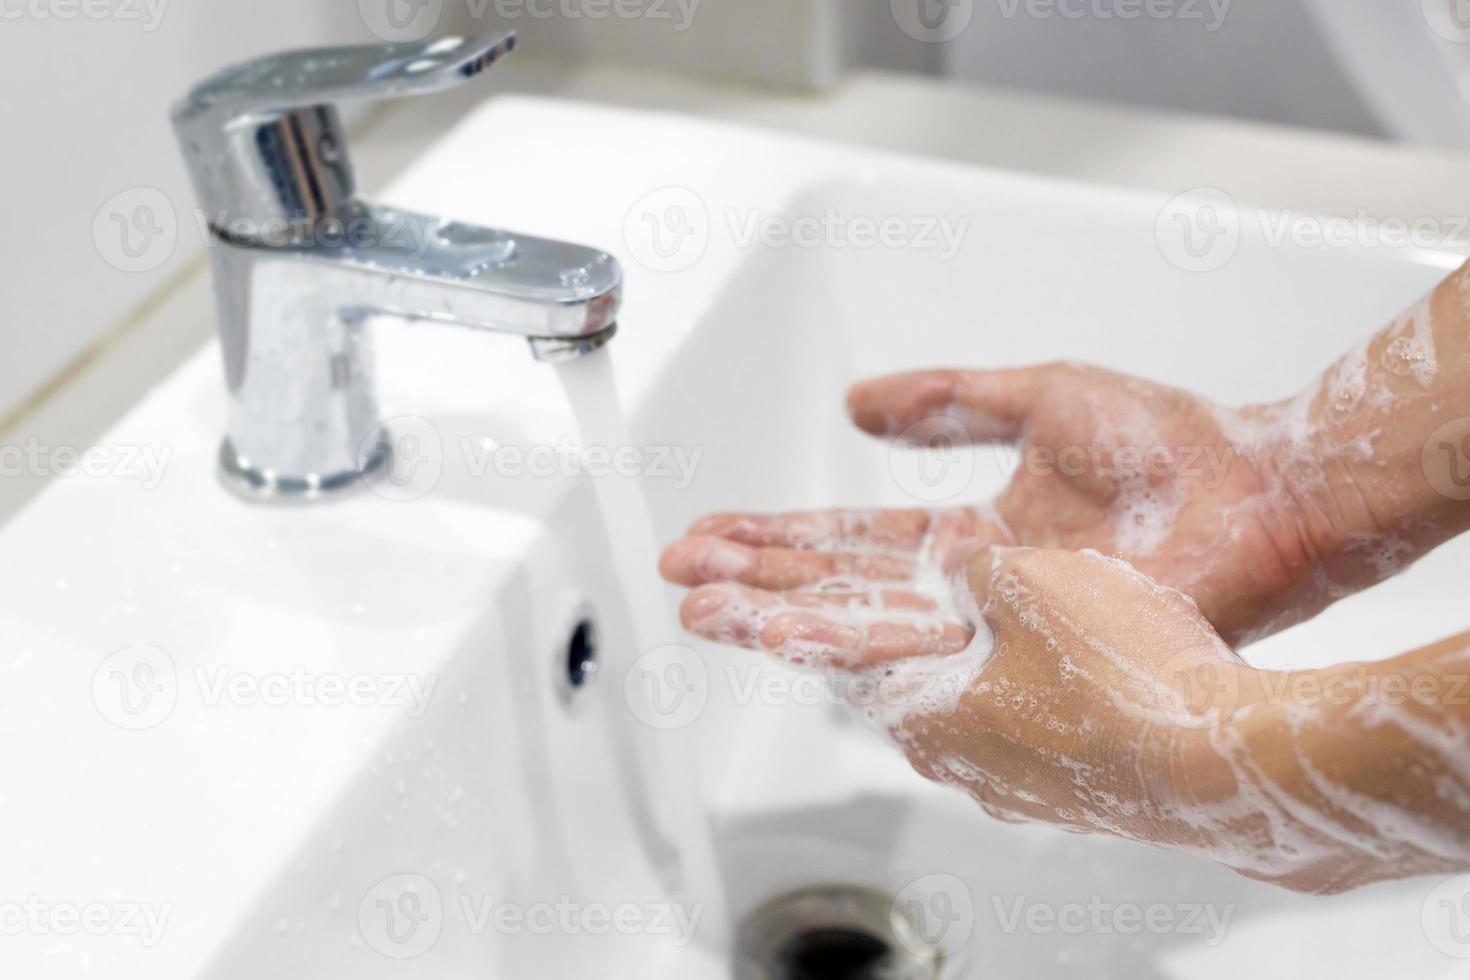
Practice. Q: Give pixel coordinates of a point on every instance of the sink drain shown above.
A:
(833, 933)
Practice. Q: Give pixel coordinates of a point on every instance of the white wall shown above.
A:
(85, 117)
(786, 42)
(1258, 59)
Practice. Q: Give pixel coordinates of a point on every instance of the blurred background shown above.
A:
(88, 84)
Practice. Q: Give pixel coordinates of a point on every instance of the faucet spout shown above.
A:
(304, 417)
(301, 264)
(418, 267)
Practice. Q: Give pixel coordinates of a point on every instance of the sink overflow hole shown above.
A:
(582, 655)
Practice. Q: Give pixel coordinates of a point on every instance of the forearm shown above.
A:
(1368, 762)
(1376, 453)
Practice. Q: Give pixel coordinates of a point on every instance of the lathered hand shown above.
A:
(1265, 515)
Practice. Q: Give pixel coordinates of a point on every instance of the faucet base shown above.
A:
(262, 486)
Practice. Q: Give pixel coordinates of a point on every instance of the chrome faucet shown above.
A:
(301, 264)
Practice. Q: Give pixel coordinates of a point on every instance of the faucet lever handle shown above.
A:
(315, 76)
(263, 139)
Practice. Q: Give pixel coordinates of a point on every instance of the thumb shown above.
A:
(990, 406)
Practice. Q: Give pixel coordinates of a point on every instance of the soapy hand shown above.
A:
(1070, 687)
(1098, 700)
(1185, 490)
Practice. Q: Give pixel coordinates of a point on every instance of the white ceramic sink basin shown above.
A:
(323, 741)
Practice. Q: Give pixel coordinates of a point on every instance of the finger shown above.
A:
(745, 603)
(897, 530)
(834, 636)
(701, 559)
(893, 600)
(988, 405)
(825, 640)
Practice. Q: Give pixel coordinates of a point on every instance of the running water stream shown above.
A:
(668, 773)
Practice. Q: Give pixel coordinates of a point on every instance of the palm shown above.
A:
(1111, 463)
(1166, 480)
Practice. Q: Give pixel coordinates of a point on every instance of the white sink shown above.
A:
(268, 833)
